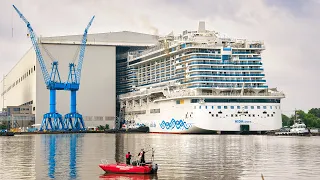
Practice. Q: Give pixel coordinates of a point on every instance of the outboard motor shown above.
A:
(154, 168)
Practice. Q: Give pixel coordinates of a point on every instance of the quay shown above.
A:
(294, 134)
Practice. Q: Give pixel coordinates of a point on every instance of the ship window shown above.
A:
(206, 107)
(212, 115)
(246, 107)
(236, 115)
(258, 107)
(178, 102)
(195, 107)
(264, 107)
(225, 107)
(268, 115)
(253, 115)
(232, 107)
(252, 107)
(270, 107)
(216, 115)
(271, 115)
(194, 100)
(249, 115)
(219, 107)
(238, 107)
(199, 107)
(231, 115)
(212, 107)
(276, 107)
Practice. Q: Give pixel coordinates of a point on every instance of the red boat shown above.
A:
(134, 168)
(130, 169)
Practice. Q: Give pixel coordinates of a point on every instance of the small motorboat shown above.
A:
(134, 168)
(147, 168)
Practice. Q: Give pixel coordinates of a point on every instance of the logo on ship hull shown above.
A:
(178, 124)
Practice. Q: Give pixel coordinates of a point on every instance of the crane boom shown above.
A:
(82, 50)
(36, 48)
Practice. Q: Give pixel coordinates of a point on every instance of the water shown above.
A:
(76, 156)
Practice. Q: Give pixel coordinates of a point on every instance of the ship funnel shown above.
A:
(202, 27)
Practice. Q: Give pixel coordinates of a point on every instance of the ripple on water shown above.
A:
(77, 156)
(17, 157)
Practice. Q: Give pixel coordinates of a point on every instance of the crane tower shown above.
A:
(52, 82)
(74, 120)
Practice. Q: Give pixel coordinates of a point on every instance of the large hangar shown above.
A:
(101, 74)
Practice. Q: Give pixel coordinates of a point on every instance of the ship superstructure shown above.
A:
(200, 82)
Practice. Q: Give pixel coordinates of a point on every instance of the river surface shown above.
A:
(76, 156)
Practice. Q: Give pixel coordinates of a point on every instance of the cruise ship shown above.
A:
(200, 82)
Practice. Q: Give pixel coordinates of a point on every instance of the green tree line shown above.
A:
(311, 118)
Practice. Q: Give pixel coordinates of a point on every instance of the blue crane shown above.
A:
(73, 119)
(52, 82)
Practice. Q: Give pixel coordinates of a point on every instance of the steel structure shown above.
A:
(74, 120)
(52, 81)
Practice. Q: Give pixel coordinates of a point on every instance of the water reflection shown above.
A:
(52, 154)
(56, 151)
(76, 156)
(73, 156)
(119, 148)
(129, 176)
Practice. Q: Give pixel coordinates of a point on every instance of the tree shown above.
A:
(315, 111)
(3, 125)
(286, 121)
(102, 128)
(311, 118)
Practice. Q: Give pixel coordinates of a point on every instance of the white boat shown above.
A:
(200, 82)
(299, 128)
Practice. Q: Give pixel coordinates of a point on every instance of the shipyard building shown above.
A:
(104, 75)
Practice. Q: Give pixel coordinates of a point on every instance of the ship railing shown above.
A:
(180, 93)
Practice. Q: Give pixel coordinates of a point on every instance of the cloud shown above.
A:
(298, 8)
(289, 29)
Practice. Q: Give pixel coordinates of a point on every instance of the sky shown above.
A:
(289, 28)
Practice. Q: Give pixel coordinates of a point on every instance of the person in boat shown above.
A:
(128, 158)
(141, 156)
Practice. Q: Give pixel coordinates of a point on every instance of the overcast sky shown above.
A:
(289, 28)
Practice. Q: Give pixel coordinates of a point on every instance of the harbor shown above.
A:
(168, 90)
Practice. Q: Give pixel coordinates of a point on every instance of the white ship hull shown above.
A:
(201, 118)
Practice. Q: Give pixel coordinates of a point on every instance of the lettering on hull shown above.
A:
(242, 121)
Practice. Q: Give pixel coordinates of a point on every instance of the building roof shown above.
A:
(123, 38)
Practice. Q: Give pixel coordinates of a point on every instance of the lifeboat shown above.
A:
(147, 168)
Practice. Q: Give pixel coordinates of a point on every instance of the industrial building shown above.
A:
(104, 75)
